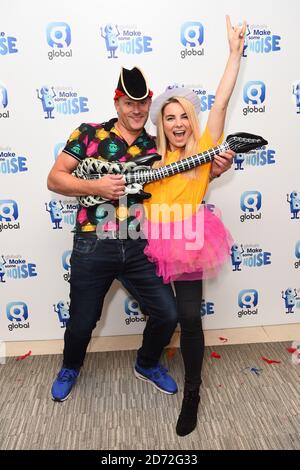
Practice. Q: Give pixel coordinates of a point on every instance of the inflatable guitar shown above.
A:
(138, 172)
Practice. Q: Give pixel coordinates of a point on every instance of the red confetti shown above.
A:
(171, 352)
(20, 358)
(291, 350)
(215, 355)
(270, 361)
(221, 338)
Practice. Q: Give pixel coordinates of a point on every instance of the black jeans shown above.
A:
(189, 298)
(95, 264)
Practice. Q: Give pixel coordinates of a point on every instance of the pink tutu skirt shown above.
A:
(194, 248)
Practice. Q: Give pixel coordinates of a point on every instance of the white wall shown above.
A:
(150, 37)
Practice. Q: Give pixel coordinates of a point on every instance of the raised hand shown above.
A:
(236, 36)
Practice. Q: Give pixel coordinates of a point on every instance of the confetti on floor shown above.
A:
(20, 358)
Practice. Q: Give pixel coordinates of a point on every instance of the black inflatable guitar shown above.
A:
(138, 172)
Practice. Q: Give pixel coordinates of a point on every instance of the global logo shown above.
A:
(10, 163)
(4, 113)
(58, 38)
(9, 214)
(250, 204)
(62, 310)
(260, 40)
(63, 100)
(8, 210)
(296, 93)
(255, 158)
(125, 39)
(192, 37)
(66, 264)
(294, 201)
(133, 311)
(58, 148)
(7, 44)
(17, 313)
(16, 267)
(251, 256)
(248, 301)
(297, 255)
(62, 213)
(254, 95)
(291, 299)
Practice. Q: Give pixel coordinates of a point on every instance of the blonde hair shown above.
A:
(192, 145)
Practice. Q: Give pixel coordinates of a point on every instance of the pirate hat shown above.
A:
(133, 84)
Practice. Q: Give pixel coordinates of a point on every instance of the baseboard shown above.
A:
(258, 334)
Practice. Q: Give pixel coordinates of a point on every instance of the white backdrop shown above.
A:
(59, 67)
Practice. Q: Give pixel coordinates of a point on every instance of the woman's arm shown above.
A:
(216, 118)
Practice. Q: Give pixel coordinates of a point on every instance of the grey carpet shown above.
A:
(110, 409)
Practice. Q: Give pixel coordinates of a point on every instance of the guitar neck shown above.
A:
(146, 176)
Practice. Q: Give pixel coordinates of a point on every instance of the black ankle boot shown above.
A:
(187, 420)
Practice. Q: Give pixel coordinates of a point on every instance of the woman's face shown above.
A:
(177, 127)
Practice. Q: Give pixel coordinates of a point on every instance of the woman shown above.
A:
(187, 242)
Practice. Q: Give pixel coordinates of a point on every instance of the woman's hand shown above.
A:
(236, 36)
(221, 163)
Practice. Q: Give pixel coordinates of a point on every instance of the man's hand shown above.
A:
(221, 163)
(111, 187)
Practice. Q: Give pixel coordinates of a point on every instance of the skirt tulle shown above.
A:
(191, 249)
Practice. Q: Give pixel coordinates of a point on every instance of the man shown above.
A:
(96, 262)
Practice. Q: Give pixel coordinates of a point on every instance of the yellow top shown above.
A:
(177, 197)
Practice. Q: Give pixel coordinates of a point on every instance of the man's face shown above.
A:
(132, 114)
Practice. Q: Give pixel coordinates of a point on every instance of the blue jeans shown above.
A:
(95, 264)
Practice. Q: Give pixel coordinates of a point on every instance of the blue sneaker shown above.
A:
(158, 377)
(63, 384)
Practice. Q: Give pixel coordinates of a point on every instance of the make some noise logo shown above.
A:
(293, 199)
(66, 264)
(259, 39)
(62, 212)
(254, 95)
(206, 99)
(9, 215)
(7, 44)
(4, 111)
(192, 38)
(207, 308)
(250, 204)
(11, 163)
(125, 39)
(14, 267)
(133, 311)
(17, 314)
(58, 36)
(61, 308)
(61, 100)
(248, 302)
(256, 158)
(249, 256)
(291, 298)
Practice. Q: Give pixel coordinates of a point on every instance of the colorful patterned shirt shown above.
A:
(104, 141)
